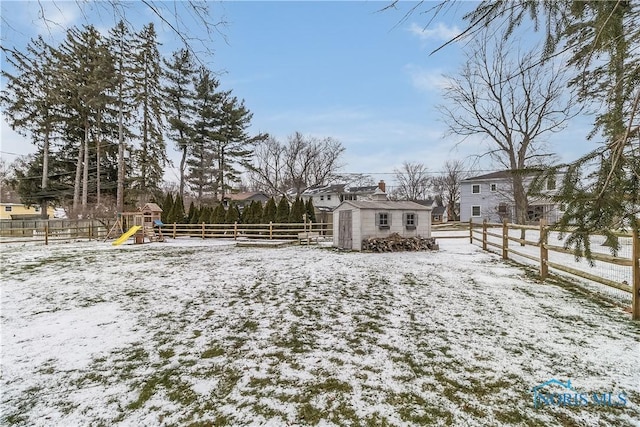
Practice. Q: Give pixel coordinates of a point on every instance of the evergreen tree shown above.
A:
(246, 215)
(269, 211)
(219, 214)
(257, 213)
(30, 103)
(120, 45)
(205, 214)
(201, 172)
(193, 213)
(167, 207)
(177, 212)
(297, 211)
(180, 73)
(282, 214)
(151, 156)
(233, 214)
(86, 67)
(310, 210)
(233, 146)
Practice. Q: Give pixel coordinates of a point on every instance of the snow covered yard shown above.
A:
(195, 332)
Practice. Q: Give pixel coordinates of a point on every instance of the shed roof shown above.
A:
(504, 174)
(385, 204)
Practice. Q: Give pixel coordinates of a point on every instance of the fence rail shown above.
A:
(47, 231)
(489, 239)
(281, 231)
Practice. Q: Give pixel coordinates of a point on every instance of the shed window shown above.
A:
(384, 220)
(410, 220)
(475, 210)
(7, 208)
(475, 188)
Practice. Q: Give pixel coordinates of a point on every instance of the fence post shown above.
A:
(270, 230)
(174, 230)
(235, 230)
(46, 234)
(90, 230)
(202, 229)
(470, 230)
(484, 234)
(635, 253)
(544, 252)
(505, 240)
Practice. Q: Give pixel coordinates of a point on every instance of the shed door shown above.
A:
(345, 238)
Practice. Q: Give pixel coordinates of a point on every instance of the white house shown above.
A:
(490, 197)
(326, 198)
(356, 220)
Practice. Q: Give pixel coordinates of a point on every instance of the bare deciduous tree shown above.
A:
(299, 164)
(511, 104)
(447, 186)
(412, 181)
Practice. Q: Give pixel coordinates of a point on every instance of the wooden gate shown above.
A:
(345, 237)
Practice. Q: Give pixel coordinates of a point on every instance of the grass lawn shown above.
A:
(193, 332)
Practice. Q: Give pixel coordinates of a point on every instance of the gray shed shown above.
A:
(354, 221)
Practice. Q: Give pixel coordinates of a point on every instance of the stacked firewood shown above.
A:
(397, 243)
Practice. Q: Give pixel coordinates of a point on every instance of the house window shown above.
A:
(551, 183)
(502, 208)
(475, 188)
(494, 187)
(562, 207)
(37, 208)
(7, 208)
(383, 220)
(328, 196)
(321, 197)
(410, 220)
(475, 210)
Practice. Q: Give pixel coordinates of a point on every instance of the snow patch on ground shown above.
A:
(196, 330)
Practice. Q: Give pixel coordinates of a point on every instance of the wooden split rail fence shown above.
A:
(482, 233)
(270, 231)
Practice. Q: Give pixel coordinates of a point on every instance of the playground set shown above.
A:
(142, 224)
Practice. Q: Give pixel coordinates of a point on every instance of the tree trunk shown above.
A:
(520, 199)
(183, 162)
(45, 174)
(78, 182)
(98, 136)
(85, 171)
(120, 185)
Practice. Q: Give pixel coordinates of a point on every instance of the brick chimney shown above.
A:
(382, 186)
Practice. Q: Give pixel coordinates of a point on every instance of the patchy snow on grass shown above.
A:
(203, 331)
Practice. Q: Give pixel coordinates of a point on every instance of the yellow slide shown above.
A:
(133, 230)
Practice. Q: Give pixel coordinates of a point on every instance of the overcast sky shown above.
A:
(327, 69)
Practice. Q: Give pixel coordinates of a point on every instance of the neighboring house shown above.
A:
(490, 197)
(356, 220)
(244, 199)
(326, 198)
(438, 212)
(20, 211)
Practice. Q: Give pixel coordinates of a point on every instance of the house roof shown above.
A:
(324, 189)
(438, 210)
(502, 174)
(365, 189)
(244, 196)
(385, 205)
